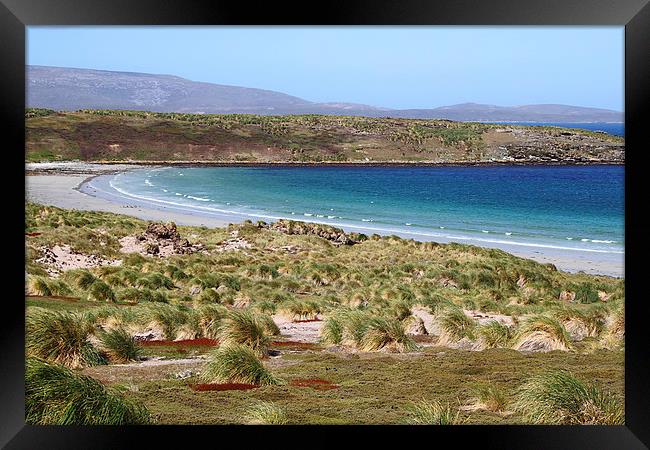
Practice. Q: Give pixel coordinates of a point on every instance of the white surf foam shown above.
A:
(199, 198)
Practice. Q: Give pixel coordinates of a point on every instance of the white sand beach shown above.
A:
(61, 190)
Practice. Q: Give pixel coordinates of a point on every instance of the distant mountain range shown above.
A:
(68, 89)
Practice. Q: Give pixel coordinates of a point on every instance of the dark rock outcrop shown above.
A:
(159, 235)
(335, 235)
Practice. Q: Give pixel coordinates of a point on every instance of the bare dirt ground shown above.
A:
(308, 332)
(61, 258)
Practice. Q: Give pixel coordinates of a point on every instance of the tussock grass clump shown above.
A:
(80, 278)
(302, 310)
(494, 334)
(489, 398)
(119, 346)
(456, 325)
(270, 327)
(355, 324)
(244, 327)
(614, 334)
(432, 413)
(557, 397)
(332, 332)
(128, 276)
(170, 318)
(581, 322)
(209, 319)
(55, 395)
(111, 316)
(131, 294)
(59, 287)
(266, 413)
(175, 273)
(155, 280)
(586, 293)
(101, 291)
(264, 306)
(38, 286)
(208, 296)
(235, 363)
(134, 260)
(401, 309)
(386, 334)
(542, 333)
(61, 337)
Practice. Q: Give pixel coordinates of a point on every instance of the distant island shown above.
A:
(122, 136)
(69, 89)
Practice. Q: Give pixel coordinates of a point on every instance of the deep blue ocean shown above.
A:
(617, 129)
(563, 207)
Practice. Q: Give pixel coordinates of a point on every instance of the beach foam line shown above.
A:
(194, 208)
(198, 198)
(182, 206)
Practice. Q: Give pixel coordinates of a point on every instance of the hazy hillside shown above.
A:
(134, 135)
(67, 89)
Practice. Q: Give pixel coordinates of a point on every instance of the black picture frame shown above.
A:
(15, 15)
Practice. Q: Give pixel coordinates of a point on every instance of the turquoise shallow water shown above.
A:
(544, 207)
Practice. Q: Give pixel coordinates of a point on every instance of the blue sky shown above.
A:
(395, 67)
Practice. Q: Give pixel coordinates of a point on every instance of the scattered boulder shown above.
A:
(163, 231)
(159, 240)
(152, 248)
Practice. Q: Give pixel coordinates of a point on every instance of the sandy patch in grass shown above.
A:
(61, 258)
(233, 244)
(428, 319)
(483, 318)
(299, 331)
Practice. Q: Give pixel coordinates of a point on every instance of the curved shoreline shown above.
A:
(77, 191)
(389, 163)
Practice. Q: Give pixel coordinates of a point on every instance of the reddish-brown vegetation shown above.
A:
(201, 342)
(223, 387)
